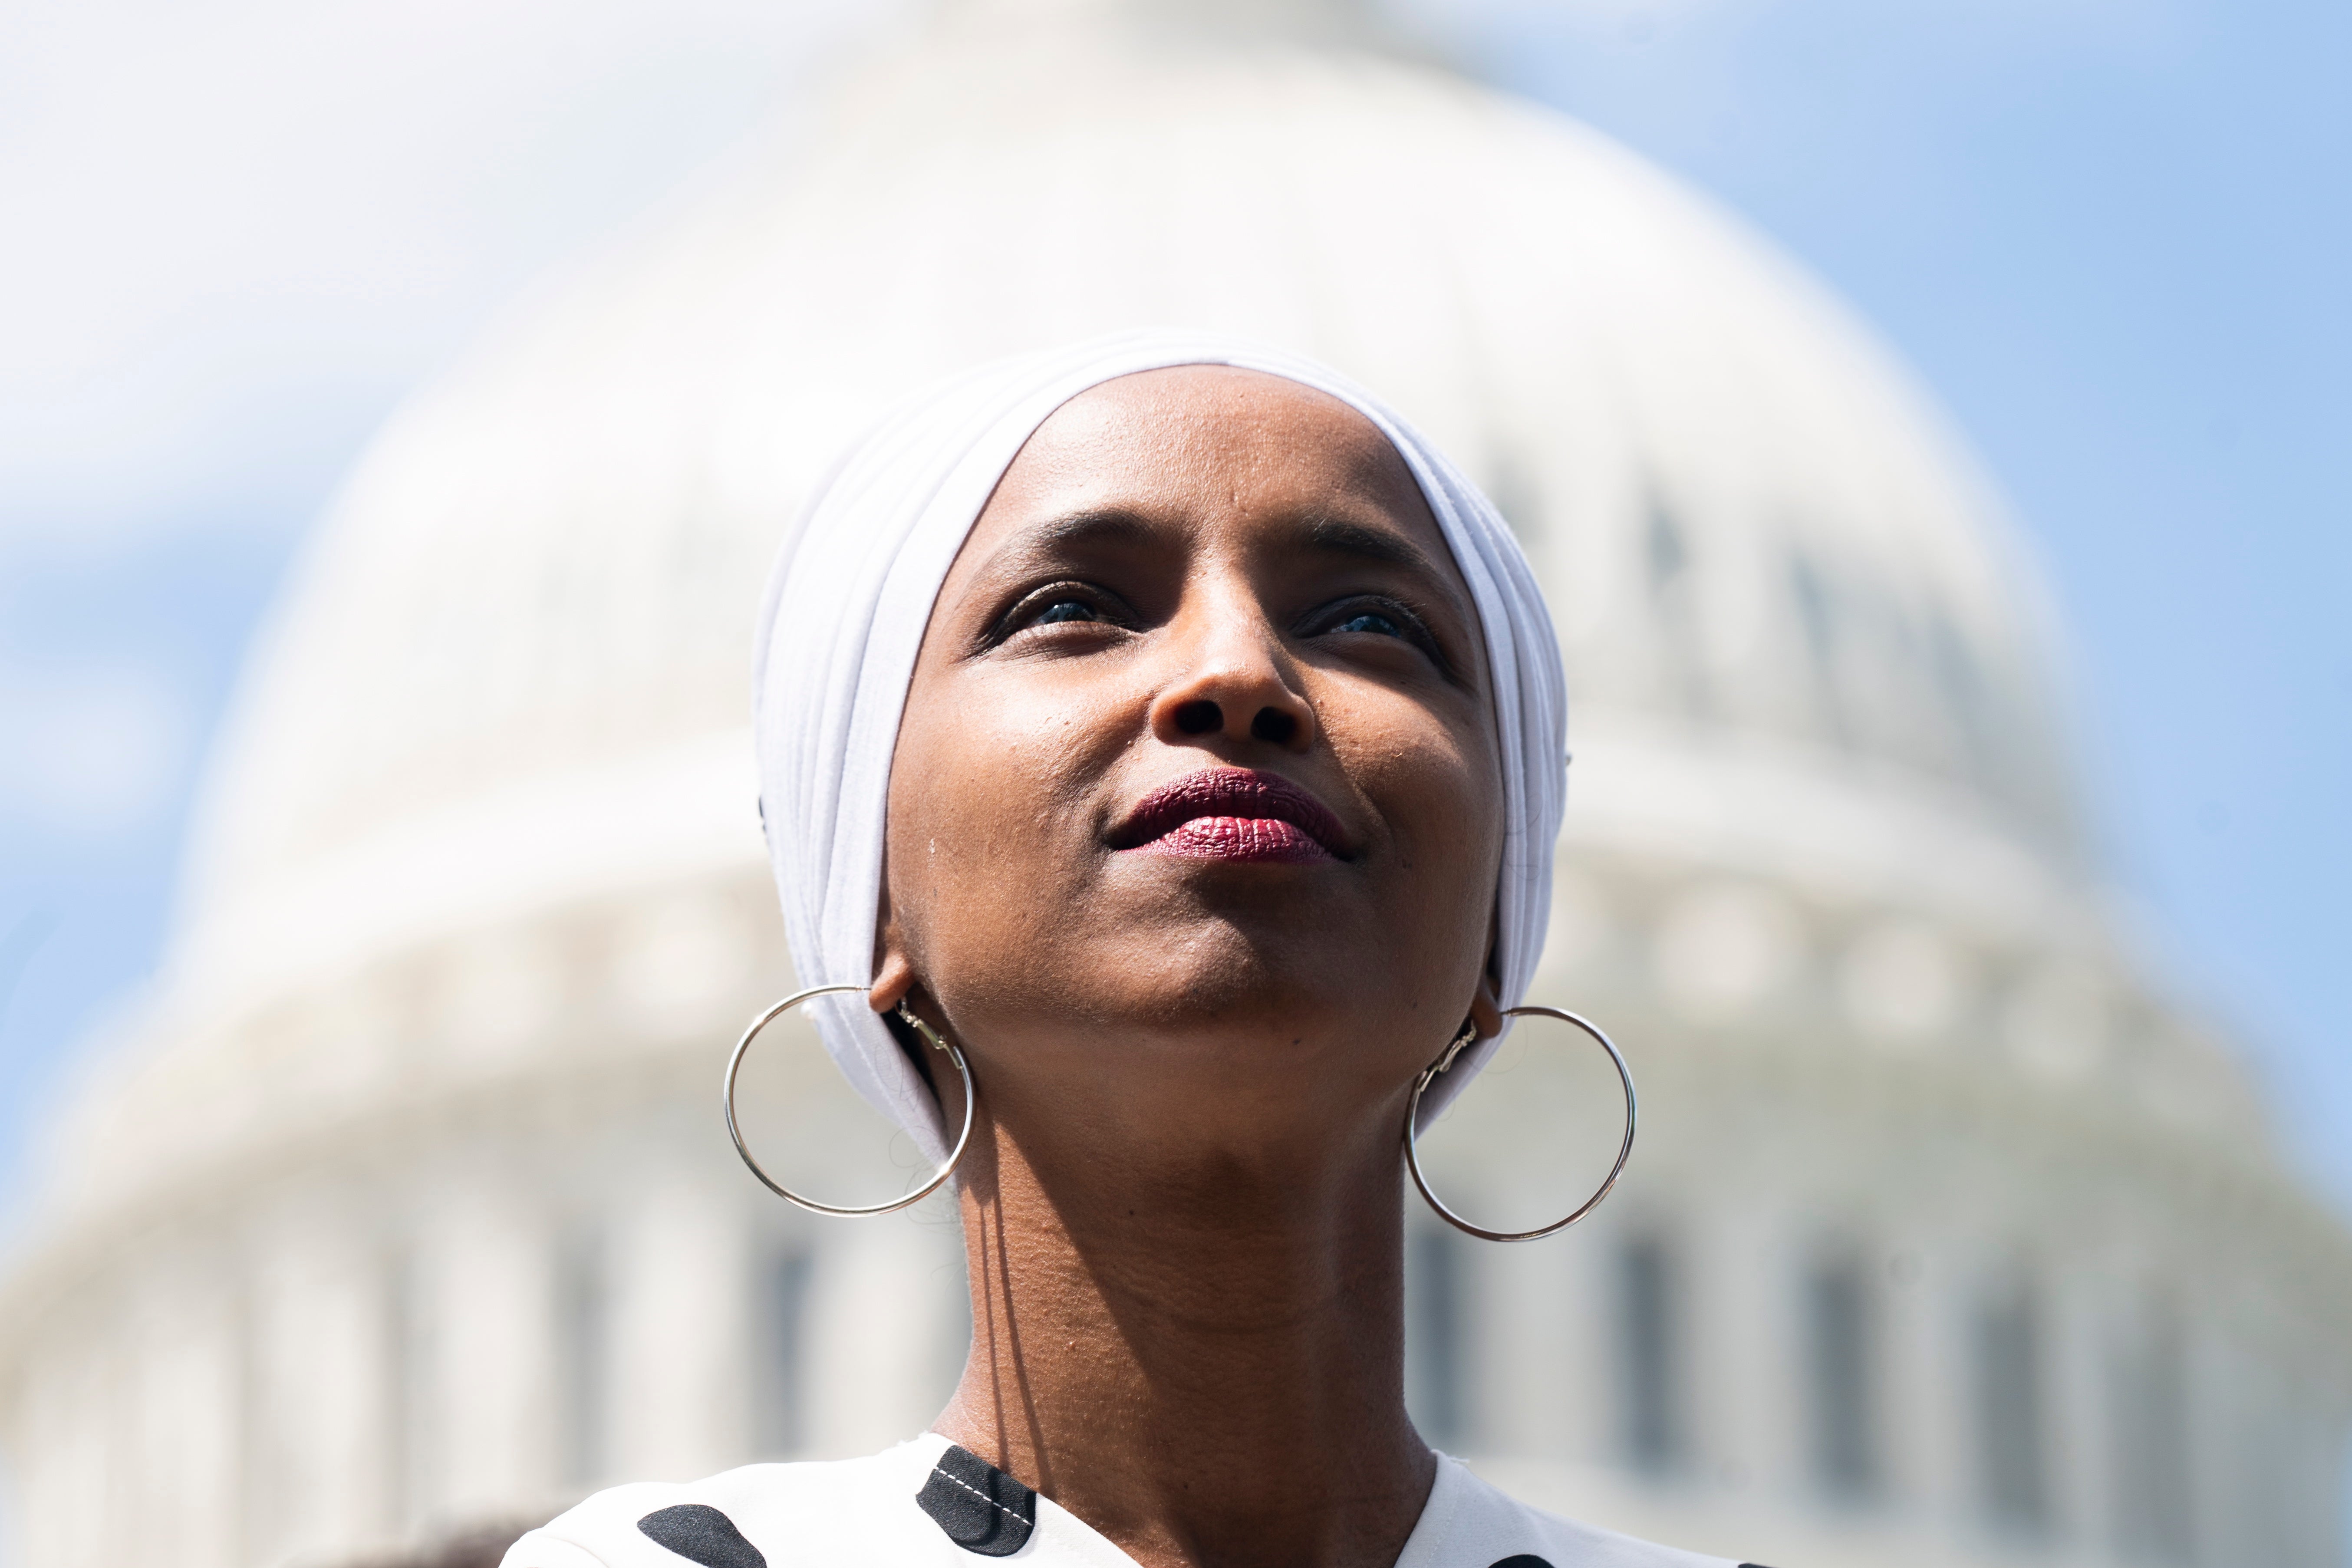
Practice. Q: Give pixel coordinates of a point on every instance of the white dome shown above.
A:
(1749, 525)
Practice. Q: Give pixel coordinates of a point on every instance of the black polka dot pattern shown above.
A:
(1524, 1560)
(980, 1507)
(701, 1533)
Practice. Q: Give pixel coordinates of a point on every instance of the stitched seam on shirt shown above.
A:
(981, 1495)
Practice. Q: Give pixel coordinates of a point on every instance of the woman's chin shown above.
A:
(1246, 992)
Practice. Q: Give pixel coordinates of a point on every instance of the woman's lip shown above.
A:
(1261, 838)
(1234, 814)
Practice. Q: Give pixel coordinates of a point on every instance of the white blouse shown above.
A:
(930, 1504)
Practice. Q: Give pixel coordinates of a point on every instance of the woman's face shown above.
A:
(1196, 808)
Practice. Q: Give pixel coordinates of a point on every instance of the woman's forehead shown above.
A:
(1216, 434)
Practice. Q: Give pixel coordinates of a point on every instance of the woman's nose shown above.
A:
(1236, 684)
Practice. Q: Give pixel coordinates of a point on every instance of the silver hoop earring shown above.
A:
(1429, 1075)
(726, 1103)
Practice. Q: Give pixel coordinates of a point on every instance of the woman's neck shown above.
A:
(1213, 1378)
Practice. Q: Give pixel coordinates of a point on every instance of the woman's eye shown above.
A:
(1059, 604)
(1371, 621)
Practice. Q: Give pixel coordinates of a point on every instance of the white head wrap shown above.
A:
(852, 593)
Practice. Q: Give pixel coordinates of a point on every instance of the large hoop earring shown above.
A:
(1429, 1075)
(726, 1103)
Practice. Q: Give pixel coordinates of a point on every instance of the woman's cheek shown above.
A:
(1025, 804)
(1423, 774)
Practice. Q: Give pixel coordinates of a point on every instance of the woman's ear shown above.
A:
(1486, 1010)
(894, 978)
(894, 972)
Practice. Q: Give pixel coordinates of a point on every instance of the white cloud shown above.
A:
(224, 215)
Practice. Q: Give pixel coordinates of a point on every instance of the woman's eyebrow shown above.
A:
(1337, 536)
(1050, 541)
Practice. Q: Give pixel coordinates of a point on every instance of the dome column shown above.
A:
(323, 1383)
(485, 1396)
(681, 1337)
(175, 1454)
(881, 1303)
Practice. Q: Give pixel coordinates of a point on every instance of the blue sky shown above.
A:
(2111, 235)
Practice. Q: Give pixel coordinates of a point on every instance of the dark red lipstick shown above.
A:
(1234, 814)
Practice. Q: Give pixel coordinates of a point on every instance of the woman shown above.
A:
(1172, 731)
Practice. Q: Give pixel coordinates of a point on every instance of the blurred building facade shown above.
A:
(1950, 1239)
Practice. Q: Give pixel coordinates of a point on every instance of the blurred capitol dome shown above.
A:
(1949, 1240)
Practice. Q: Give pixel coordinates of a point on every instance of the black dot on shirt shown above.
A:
(701, 1533)
(1524, 1560)
(979, 1507)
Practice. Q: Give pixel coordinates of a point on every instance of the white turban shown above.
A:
(852, 593)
